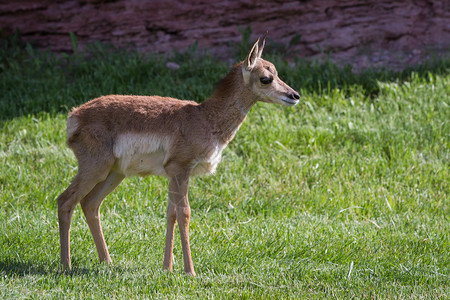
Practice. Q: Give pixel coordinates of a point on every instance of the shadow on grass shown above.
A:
(20, 268)
(34, 81)
(16, 268)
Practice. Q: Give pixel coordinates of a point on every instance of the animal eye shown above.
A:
(266, 80)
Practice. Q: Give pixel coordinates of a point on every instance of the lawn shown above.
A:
(344, 195)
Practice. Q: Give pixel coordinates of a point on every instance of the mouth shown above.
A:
(289, 102)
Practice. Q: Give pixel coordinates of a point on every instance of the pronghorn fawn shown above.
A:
(118, 136)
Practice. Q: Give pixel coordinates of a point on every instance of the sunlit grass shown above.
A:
(345, 195)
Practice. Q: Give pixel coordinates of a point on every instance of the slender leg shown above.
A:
(90, 172)
(178, 198)
(80, 187)
(183, 217)
(171, 220)
(91, 208)
(66, 206)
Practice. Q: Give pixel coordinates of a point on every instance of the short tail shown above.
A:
(72, 128)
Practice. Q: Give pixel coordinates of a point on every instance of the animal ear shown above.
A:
(252, 56)
(263, 44)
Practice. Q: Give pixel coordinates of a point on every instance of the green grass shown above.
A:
(345, 195)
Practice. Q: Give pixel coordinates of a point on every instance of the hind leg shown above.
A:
(91, 208)
(82, 184)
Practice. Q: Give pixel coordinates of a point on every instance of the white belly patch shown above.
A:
(145, 154)
(141, 154)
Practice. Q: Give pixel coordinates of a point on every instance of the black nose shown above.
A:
(294, 96)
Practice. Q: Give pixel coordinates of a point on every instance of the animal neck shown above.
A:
(228, 105)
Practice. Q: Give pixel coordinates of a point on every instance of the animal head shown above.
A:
(262, 78)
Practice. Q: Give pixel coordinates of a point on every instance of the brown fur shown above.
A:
(109, 137)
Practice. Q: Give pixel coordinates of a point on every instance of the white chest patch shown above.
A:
(209, 164)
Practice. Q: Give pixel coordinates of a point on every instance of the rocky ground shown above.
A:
(363, 33)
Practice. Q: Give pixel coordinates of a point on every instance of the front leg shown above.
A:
(171, 220)
(183, 217)
(179, 210)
